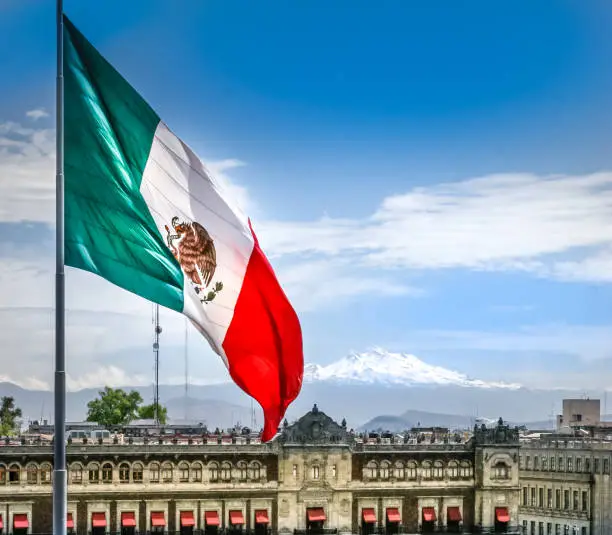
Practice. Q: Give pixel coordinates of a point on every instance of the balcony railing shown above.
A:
(320, 531)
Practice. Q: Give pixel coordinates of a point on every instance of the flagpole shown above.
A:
(60, 494)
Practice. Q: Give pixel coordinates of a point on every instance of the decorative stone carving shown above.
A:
(315, 427)
(345, 505)
(500, 434)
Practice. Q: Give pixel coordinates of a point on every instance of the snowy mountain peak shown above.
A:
(384, 367)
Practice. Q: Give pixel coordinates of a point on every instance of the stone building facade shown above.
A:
(565, 486)
(315, 476)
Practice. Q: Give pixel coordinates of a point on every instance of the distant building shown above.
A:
(565, 486)
(315, 477)
(579, 413)
(565, 476)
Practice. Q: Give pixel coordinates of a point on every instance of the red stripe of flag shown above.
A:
(263, 343)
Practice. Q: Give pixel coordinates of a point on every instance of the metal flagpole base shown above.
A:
(60, 482)
(60, 499)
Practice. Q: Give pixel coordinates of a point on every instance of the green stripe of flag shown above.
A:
(109, 131)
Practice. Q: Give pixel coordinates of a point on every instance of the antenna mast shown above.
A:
(157, 332)
(186, 369)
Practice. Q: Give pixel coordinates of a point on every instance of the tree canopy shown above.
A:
(9, 415)
(147, 412)
(115, 406)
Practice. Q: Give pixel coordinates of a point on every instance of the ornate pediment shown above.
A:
(315, 427)
(501, 434)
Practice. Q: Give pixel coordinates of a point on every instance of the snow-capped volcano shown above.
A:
(383, 367)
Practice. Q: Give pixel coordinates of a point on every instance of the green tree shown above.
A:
(147, 412)
(114, 406)
(9, 414)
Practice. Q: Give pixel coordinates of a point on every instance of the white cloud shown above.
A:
(498, 222)
(587, 342)
(554, 226)
(107, 329)
(239, 194)
(38, 113)
(112, 376)
(550, 226)
(313, 284)
(27, 185)
(30, 383)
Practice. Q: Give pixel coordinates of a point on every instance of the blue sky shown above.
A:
(428, 178)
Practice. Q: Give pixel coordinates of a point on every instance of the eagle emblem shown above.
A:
(194, 249)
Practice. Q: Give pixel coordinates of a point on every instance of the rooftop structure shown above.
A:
(316, 476)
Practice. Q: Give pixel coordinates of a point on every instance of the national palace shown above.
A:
(316, 476)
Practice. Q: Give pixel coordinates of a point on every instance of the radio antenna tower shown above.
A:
(186, 369)
(157, 332)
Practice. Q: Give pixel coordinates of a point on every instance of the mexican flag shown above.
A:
(143, 212)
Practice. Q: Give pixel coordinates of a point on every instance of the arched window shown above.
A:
(154, 472)
(242, 471)
(213, 472)
(14, 474)
(124, 473)
(453, 470)
(426, 470)
(226, 472)
(137, 471)
(384, 470)
(501, 470)
(32, 474)
(399, 471)
(465, 469)
(107, 473)
(183, 469)
(438, 470)
(167, 472)
(255, 469)
(371, 470)
(76, 473)
(45, 474)
(196, 472)
(315, 471)
(3, 474)
(411, 470)
(93, 471)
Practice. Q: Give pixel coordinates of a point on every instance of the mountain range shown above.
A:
(379, 366)
(374, 389)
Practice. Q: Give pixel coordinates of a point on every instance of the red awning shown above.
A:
(316, 514)
(393, 514)
(1, 523)
(236, 518)
(128, 519)
(158, 519)
(69, 521)
(501, 514)
(429, 514)
(453, 514)
(187, 518)
(98, 520)
(20, 521)
(211, 518)
(261, 517)
(369, 516)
